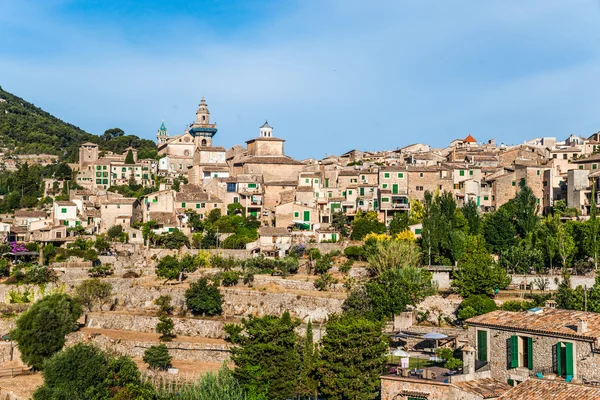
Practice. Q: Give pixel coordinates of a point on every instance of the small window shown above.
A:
(296, 214)
(182, 205)
(197, 205)
(514, 183)
(316, 181)
(385, 199)
(384, 185)
(386, 175)
(581, 167)
(400, 175)
(538, 171)
(63, 210)
(421, 174)
(462, 173)
(471, 172)
(306, 180)
(349, 192)
(485, 197)
(594, 166)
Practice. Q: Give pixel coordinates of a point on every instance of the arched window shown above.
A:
(203, 142)
(203, 118)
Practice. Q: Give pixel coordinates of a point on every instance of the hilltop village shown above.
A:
(464, 272)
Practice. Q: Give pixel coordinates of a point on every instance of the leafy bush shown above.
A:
(157, 357)
(101, 271)
(481, 303)
(345, 267)
(516, 306)
(83, 371)
(230, 278)
(203, 298)
(169, 268)
(466, 313)
(314, 254)
(323, 264)
(16, 297)
(324, 281)
(114, 232)
(58, 315)
(209, 386)
(334, 253)
(355, 252)
(33, 274)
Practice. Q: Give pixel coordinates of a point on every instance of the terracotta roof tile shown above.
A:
(487, 388)
(540, 389)
(554, 321)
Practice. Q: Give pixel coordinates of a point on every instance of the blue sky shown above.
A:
(330, 75)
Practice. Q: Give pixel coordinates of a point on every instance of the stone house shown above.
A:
(401, 388)
(274, 242)
(551, 342)
(65, 213)
(26, 217)
(296, 215)
(432, 179)
(119, 212)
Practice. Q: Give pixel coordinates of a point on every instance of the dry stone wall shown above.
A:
(204, 352)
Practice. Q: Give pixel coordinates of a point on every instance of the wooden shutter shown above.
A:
(557, 358)
(569, 359)
(514, 351)
(482, 345)
(530, 353)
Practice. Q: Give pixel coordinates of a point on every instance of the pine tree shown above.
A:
(353, 356)
(308, 383)
(129, 157)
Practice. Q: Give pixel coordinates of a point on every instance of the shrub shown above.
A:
(16, 297)
(101, 271)
(230, 278)
(203, 298)
(4, 267)
(466, 313)
(323, 265)
(114, 232)
(324, 281)
(166, 328)
(164, 305)
(157, 357)
(345, 267)
(481, 303)
(93, 292)
(131, 274)
(334, 253)
(58, 315)
(314, 254)
(169, 268)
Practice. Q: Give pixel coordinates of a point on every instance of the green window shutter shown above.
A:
(349, 192)
(182, 205)
(514, 351)
(482, 345)
(557, 350)
(326, 182)
(462, 173)
(530, 353)
(375, 204)
(386, 175)
(197, 205)
(395, 188)
(316, 181)
(306, 216)
(317, 194)
(471, 172)
(63, 210)
(296, 214)
(252, 186)
(385, 185)
(329, 194)
(569, 359)
(362, 191)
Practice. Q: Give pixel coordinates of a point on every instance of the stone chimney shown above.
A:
(468, 360)
(582, 325)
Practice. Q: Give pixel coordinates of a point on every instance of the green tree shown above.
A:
(339, 222)
(527, 209)
(499, 230)
(129, 158)
(157, 357)
(365, 223)
(308, 381)
(471, 213)
(566, 245)
(266, 356)
(203, 298)
(165, 308)
(399, 223)
(169, 268)
(114, 232)
(547, 239)
(92, 292)
(477, 273)
(594, 228)
(83, 372)
(353, 356)
(174, 240)
(41, 330)
(166, 328)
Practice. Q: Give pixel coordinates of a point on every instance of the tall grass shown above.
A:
(211, 386)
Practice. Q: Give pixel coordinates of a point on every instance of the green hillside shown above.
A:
(27, 129)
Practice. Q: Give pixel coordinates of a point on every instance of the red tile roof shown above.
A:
(543, 389)
(469, 139)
